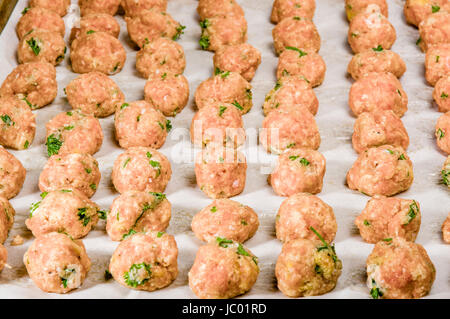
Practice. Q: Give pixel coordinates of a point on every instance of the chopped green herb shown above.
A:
(67, 274)
(180, 31)
(222, 109)
(126, 162)
(366, 222)
(402, 157)
(90, 32)
(34, 45)
(156, 165)
(25, 10)
(375, 292)
(243, 222)
(418, 41)
(28, 103)
(300, 52)
(223, 242)
(130, 233)
(164, 76)
(331, 250)
(290, 145)
(133, 277)
(390, 151)
(444, 95)
(412, 213)
(204, 42)
(102, 214)
(205, 24)
(304, 161)
(241, 251)
(93, 186)
(168, 126)
(379, 48)
(249, 94)
(445, 177)
(435, 9)
(7, 120)
(213, 209)
(160, 234)
(277, 86)
(43, 194)
(293, 157)
(388, 240)
(88, 170)
(440, 133)
(26, 144)
(238, 106)
(437, 58)
(124, 105)
(53, 145)
(83, 217)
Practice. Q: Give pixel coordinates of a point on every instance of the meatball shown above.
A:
(141, 169)
(296, 32)
(227, 219)
(225, 87)
(94, 93)
(3, 257)
(220, 172)
(70, 171)
(355, 7)
(385, 217)
(167, 92)
(384, 170)
(96, 22)
(135, 211)
(73, 132)
(7, 214)
(218, 8)
(446, 229)
(291, 93)
(445, 173)
(443, 132)
(241, 58)
(18, 123)
(379, 128)
(64, 211)
(282, 9)
(57, 263)
(418, 10)
(162, 55)
(434, 30)
(134, 7)
(97, 51)
(437, 63)
(376, 92)
(399, 269)
(440, 94)
(58, 6)
(298, 171)
(223, 269)
(284, 129)
(307, 267)
(12, 174)
(379, 61)
(42, 19)
(42, 46)
(310, 66)
(219, 32)
(371, 29)
(145, 261)
(218, 124)
(99, 6)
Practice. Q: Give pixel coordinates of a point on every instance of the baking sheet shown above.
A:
(335, 123)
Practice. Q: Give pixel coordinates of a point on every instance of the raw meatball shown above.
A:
(399, 269)
(96, 22)
(386, 217)
(167, 92)
(57, 263)
(58, 6)
(291, 93)
(446, 230)
(298, 171)
(220, 172)
(310, 66)
(134, 7)
(296, 32)
(70, 171)
(145, 261)
(443, 132)
(42, 46)
(379, 61)
(219, 32)
(307, 267)
(218, 124)
(223, 269)
(3, 257)
(371, 29)
(18, 123)
(73, 132)
(434, 30)
(445, 173)
(7, 214)
(160, 56)
(437, 63)
(441, 94)
(385, 170)
(377, 92)
(225, 87)
(12, 174)
(282, 9)
(42, 19)
(141, 169)
(64, 211)
(221, 8)
(241, 58)
(99, 6)
(95, 94)
(379, 128)
(355, 7)
(135, 211)
(418, 10)
(284, 129)
(225, 218)
(97, 51)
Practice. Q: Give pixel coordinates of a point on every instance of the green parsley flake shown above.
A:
(53, 145)
(300, 52)
(133, 277)
(34, 45)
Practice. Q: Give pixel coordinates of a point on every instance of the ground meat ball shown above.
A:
(441, 94)
(136, 211)
(298, 171)
(3, 257)
(18, 123)
(379, 128)
(141, 169)
(282, 9)
(434, 30)
(284, 129)
(99, 6)
(57, 263)
(96, 22)
(64, 211)
(42, 19)
(71, 171)
(225, 87)
(223, 269)
(296, 32)
(389, 217)
(42, 46)
(218, 124)
(145, 261)
(378, 91)
(219, 32)
(446, 230)
(291, 93)
(385, 170)
(370, 29)
(7, 214)
(418, 10)
(221, 8)
(241, 58)
(73, 132)
(443, 132)
(355, 7)
(220, 172)
(445, 173)
(167, 92)
(134, 7)
(437, 63)
(162, 55)
(399, 269)
(58, 6)
(372, 60)
(307, 268)
(12, 174)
